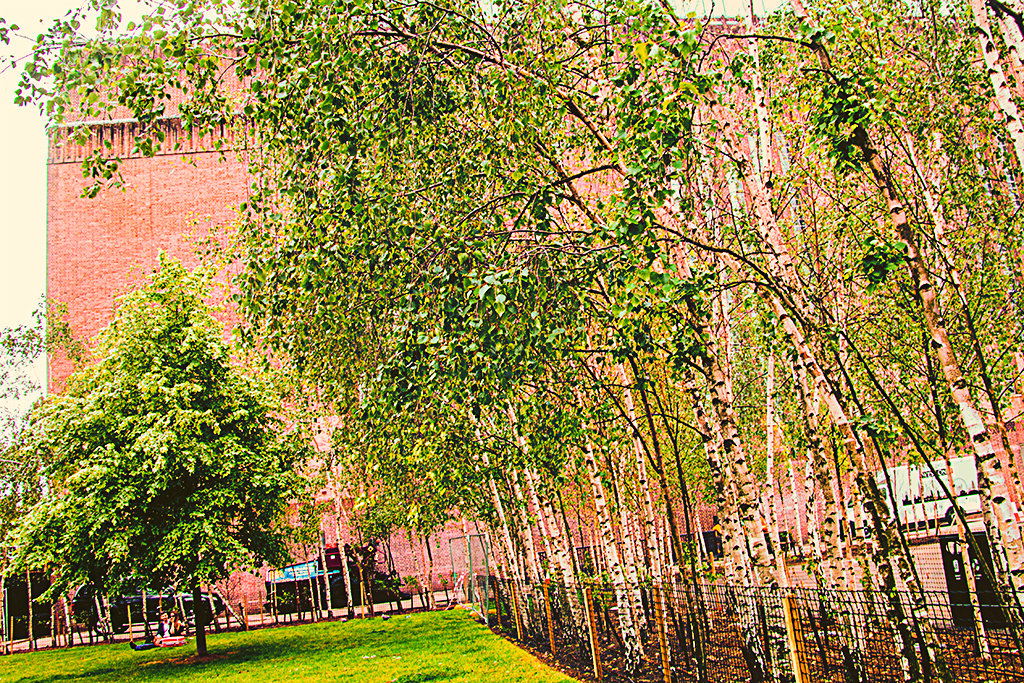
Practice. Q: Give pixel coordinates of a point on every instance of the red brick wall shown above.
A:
(97, 248)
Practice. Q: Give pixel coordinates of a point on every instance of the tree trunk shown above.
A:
(770, 512)
(368, 595)
(812, 507)
(430, 571)
(499, 508)
(67, 618)
(425, 589)
(827, 541)
(643, 485)
(346, 575)
(197, 601)
(102, 620)
(764, 154)
(1004, 98)
(31, 613)
(526, 529)
(325, 584)
(630, 636)
(147, 633)
(798, 541)
(5, 628)
(628, 555)
(562, 559)
(738, 566)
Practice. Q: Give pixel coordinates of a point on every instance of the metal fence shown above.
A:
(714, 632)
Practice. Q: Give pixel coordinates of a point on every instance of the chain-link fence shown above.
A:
(714, 632)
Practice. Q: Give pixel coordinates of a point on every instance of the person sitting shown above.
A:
(166, 635)
(177, 625)
(163, 629)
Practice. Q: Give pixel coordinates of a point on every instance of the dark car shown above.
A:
(84, 606)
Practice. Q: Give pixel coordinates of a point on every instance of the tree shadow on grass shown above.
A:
(427, 676)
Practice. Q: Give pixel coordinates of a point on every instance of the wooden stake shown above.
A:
(3, 616)
(659, 615)
(796, 640)
(131, 639)
(595, 650)
(31, 631)
(551, 626)
(515, 609)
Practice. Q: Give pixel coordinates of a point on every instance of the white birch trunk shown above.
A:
(1004, 98)
(557, 549)
(812, 506)
(1014, 43)
(31, 612)
(826, 535)
(798, 541)
(738, 564)
(1014, 550)
(764, 154)
(643, 484)
(629, 563)
(526, 530)
(630, 635)
(770, 509)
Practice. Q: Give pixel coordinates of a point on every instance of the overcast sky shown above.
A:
(23, 172)
(23, 157)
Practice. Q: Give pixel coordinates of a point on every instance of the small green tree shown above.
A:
(21, 347)
(165, 463)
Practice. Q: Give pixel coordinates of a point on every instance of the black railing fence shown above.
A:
(715, 632)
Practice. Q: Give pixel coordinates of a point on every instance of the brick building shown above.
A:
(97, 248)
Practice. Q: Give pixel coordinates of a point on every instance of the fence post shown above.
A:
(595, 652)
(551, 625)
(515, 609)
(796, 640)
(659, 616)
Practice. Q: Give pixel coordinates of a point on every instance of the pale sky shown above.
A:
(23, 179)
(23, 172)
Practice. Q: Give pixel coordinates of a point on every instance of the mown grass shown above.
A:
(423, 648)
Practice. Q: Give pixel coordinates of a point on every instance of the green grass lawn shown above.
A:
(435, 646)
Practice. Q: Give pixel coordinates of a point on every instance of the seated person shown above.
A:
(177, 625)
(163, 629)
(166, 635)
